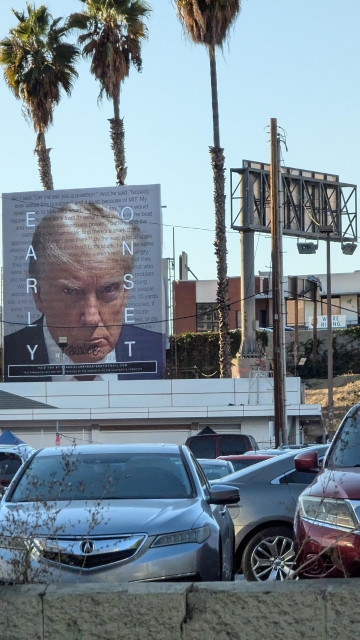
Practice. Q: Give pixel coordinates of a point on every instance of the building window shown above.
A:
(335, 306)
(290, 313)
(207, 317)
(238, 319)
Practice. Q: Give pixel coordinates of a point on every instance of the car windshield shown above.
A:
(114, 476)
(346, 449)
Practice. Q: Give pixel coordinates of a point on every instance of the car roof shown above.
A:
(95, 449)
(245, 456)
(211, 461)
(17, 448)
(268, 469)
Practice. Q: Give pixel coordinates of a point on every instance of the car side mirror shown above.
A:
(307, 461)
(224, 494)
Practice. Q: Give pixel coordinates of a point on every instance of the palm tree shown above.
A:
(114, 33)
(208, 22)
(38, 64)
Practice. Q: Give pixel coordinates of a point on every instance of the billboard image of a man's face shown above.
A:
(82, 271)
(83, 285)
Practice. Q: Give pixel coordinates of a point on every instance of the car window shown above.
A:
(10, 463)
(232, 445)
(346, 449)
(216, 472)
(200, 473)
(203, 447)
(242, 464)
(298, 477)
(110, 476)
(254, 443)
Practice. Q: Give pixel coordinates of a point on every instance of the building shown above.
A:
(194, 302)
(152, 411)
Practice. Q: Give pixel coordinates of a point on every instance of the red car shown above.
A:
(245, 460)
(327, 520)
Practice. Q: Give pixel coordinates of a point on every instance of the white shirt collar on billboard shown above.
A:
(56, 356)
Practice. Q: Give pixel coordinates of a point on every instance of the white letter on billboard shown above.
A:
(130, 249)
(128, 277)
(127, 217)
(130, 343)
(29, 320)
(32, 351)
(31, 253)
(31, 284)
(28, 219)
(129, 311)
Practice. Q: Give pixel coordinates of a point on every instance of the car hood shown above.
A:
(82, 518)
(336, 483)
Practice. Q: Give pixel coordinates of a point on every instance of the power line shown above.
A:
(193, 315)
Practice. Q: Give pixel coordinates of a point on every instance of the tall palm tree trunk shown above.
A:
(117, 135)
(44, 163)
(222, 297)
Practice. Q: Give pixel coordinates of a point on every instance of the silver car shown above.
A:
(101, 513)
(264, 517)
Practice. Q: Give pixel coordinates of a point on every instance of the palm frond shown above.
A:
(38, 64)
(208, 21)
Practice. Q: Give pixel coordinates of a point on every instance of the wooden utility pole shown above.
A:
(279, 395)
(329, 337)
(296, 343)
(315, 334)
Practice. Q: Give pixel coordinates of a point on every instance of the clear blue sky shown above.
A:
(297, 61)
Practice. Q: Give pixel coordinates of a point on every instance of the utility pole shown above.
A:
(329, 337)
(315, 334)
(296, 344)
(327, 230)
(278, 330)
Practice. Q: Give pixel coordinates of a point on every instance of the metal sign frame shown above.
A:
(311, 199)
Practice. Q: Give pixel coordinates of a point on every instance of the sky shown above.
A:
(294, 61)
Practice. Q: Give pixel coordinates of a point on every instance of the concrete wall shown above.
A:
(310, 610)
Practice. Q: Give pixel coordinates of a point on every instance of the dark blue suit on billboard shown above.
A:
(150, 345)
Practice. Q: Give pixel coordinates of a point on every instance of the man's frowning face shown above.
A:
(86, 306)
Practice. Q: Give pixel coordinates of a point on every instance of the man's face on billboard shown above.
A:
(85, 305)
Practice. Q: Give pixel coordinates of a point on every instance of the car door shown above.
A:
(222, 517)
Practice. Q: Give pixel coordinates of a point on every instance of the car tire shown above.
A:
(269, 555)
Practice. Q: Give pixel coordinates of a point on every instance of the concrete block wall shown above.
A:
(306, 610)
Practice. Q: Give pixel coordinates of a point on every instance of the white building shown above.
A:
(150, 411)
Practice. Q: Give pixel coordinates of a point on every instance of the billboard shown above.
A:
(83, 294)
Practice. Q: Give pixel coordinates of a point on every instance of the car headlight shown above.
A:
(334, 512)
(13, 542)
(182, 537)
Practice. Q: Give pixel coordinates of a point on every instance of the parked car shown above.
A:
(215, 469)
(115, 513)
(220, 444)
(11, 459)
(246, 460)
(264, 517)
(327, 520)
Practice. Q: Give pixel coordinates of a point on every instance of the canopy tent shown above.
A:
(8, 438)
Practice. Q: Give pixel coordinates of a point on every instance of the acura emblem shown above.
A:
(86, 547)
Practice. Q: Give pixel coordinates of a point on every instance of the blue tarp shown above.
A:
(8, 438)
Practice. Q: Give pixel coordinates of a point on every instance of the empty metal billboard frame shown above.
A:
(311, 199)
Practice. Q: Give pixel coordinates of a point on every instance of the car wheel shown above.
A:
(269, 555)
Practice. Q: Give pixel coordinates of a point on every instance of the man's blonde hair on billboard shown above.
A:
(81, 235)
